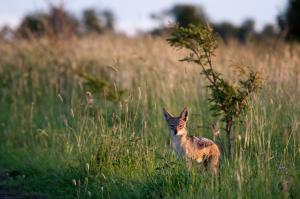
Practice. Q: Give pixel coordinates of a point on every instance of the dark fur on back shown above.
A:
(201, 142)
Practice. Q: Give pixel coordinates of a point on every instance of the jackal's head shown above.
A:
(177, 124)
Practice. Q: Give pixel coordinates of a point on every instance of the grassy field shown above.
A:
(53, 145)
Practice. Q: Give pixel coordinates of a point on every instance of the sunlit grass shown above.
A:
(53, 144)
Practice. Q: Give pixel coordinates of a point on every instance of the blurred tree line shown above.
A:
(58, 22)
(184, 14)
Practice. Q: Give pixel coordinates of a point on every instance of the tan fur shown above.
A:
(201, 150)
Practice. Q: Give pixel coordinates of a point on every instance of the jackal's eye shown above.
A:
(180, 126)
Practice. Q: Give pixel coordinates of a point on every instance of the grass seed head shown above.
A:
(89, 99)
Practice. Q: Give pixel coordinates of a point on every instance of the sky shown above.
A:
(133, 15)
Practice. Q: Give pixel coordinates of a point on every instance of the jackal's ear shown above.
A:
(167, 114)
(184, 114)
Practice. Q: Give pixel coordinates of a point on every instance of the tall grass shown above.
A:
(52, 144)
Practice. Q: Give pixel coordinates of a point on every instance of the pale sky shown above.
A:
(132, 15)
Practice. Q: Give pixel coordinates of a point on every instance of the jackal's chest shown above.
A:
(178, 147)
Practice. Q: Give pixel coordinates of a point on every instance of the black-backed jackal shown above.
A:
(201, 150)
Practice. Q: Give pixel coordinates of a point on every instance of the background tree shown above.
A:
(246, 31)
(34, 24)
(226, 30)
(185, 14)
(98, 22)
(288, 20)
(109, 19)
(92, 21)
(268, 33)
(62, 22)
(182, 14)
(55, 23)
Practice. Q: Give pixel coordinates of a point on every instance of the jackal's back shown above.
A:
(200, 149)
